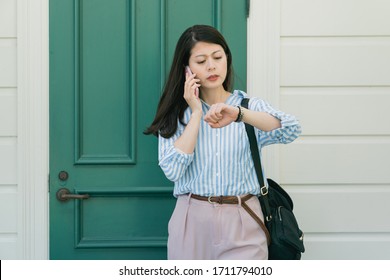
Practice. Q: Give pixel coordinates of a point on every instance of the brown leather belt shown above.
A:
(234, 200)
(222, 199)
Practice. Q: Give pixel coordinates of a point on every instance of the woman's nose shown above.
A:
(211, 65)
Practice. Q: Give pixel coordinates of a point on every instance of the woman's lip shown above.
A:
(212, 77)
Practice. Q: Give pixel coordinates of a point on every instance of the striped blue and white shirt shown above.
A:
(222, 163)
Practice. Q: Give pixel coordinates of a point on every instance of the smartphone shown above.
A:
(188, 70)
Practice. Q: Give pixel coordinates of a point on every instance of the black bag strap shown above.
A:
(257, 163)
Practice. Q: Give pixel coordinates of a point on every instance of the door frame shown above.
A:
(33, 128)
(33, 118)
(263, 65)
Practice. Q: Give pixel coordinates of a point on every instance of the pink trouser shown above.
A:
(199, 230)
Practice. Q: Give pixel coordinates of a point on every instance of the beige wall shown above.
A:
(8, 130)
(332, 70)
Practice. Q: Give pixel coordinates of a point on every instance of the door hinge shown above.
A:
(248, 7)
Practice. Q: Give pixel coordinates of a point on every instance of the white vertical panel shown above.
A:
(339, 110)
(335, 62)
(8, 62)
(33, 120)
(335, 17)
(263, 62)
(8, 112)
(347, 246)
(8, 131)
(8, 18)
(8, 209)
(8, 246)
(351, 204)
(8, 159)
(336, 160)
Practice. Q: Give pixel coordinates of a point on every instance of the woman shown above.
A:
(204, 150)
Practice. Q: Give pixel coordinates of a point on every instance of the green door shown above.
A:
(108, 62)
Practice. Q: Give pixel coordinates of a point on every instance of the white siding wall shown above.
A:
(8, 131)
(334, 74)
(24, 129)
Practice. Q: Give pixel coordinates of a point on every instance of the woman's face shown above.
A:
(209, 62)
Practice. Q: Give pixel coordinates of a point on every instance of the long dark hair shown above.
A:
(172, 103)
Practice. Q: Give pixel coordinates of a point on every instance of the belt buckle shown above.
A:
(216, 202)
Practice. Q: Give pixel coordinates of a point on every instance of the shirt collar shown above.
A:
(231, 99)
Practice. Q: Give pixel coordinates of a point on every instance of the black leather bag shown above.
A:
(285, 237)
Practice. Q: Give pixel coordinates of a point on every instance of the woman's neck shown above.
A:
(213, 96)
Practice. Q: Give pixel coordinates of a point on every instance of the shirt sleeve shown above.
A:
(172, 161)
(290, 128)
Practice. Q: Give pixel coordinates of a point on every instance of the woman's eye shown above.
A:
(201, 62)
(219, 57)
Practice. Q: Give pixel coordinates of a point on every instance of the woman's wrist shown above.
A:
(196, 114)
(240, 114)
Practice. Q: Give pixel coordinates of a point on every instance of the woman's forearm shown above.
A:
(187, 141)
(260, 120)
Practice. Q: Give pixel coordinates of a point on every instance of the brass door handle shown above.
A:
(64, 194)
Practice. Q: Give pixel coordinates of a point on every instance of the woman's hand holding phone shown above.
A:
(188, 70)
(191, 90)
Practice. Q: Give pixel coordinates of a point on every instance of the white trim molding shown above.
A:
(264, 64)
(33, 128)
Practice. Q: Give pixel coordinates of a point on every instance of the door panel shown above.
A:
(108, 63)
(104, 81)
